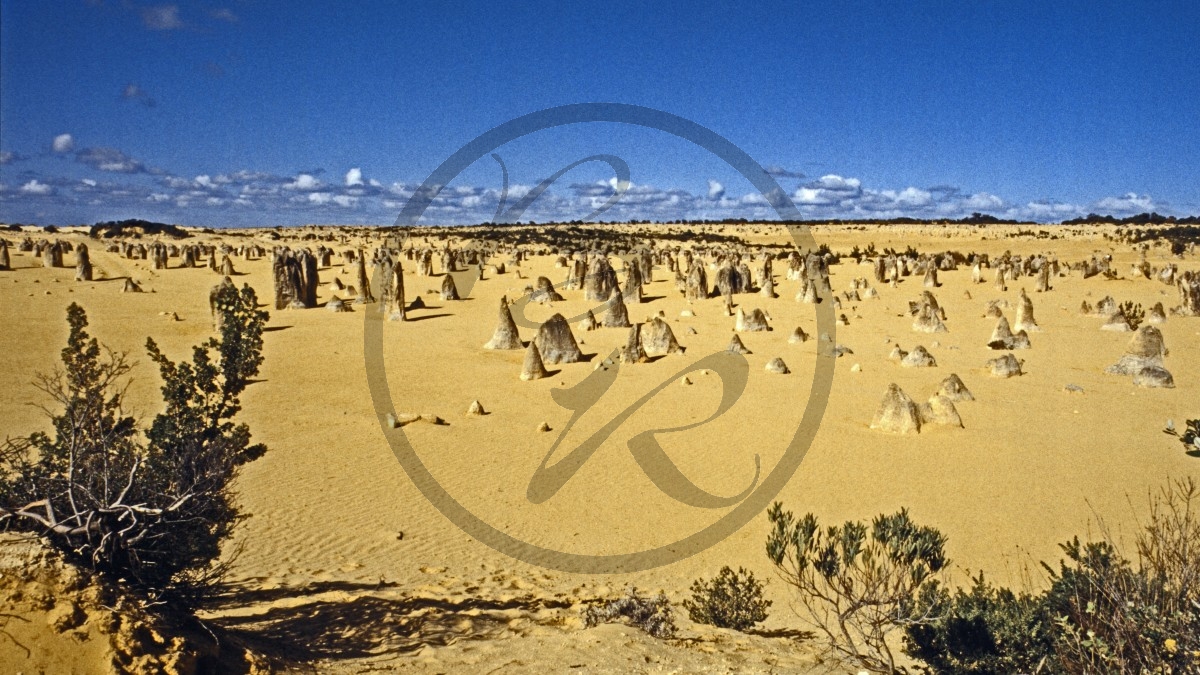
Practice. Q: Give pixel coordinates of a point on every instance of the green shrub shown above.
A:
(729, 600)
(1133, 616)
(153, 513)
(859, 583)
(987, 631)
(1103, 612)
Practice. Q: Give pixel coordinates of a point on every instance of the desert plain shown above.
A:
(343, 565)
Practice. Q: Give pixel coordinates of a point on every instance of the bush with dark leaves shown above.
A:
(729, 600)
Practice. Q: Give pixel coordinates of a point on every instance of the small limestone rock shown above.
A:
(475, 409)
(397, 420)
(544, 427)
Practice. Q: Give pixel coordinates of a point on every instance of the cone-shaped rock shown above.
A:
(449, 288)
(505, 336)
(544, 291)
(777, 366)
(1117, 322)
(589, 321)
(1004, 366)
(1025, 320)
(131, 286)
(617, 315)
(940, 410)
(475, 409)
(1154, 377)
(736, 346)
(798, 336)
(928, 321)
(1146, 349)
(533, 368)
(897, 413)
(633, 352)
(753, 322)
(337, 305)
(953, 388)
(1156, 314)
(556, 343)
(919, 357)
(658, 338)
(1002, 337)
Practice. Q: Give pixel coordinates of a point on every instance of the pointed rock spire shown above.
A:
(533, 368)
(506, 335)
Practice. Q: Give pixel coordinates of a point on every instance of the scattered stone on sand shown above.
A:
(1005, 366)
(1154, 377)
(736, 346)
(475, 409)
(897, 413)
(953, 388)
(940, 410)
(752, 322)
(777, 366)
(919, 357)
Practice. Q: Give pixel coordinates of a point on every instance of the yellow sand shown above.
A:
(1033, 466)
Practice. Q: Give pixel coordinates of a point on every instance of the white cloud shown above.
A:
(345, 200)
(319, 198)
(1130, 202)
(715, 189)
(63, 143)
(88, 182)
(909, 196)
(34, 187)
(354, 177)
(109, 159)
(983, 200)
(836, 183)
(204, 181)
(304, 181)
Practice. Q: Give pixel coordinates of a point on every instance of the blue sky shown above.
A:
(237, 112)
